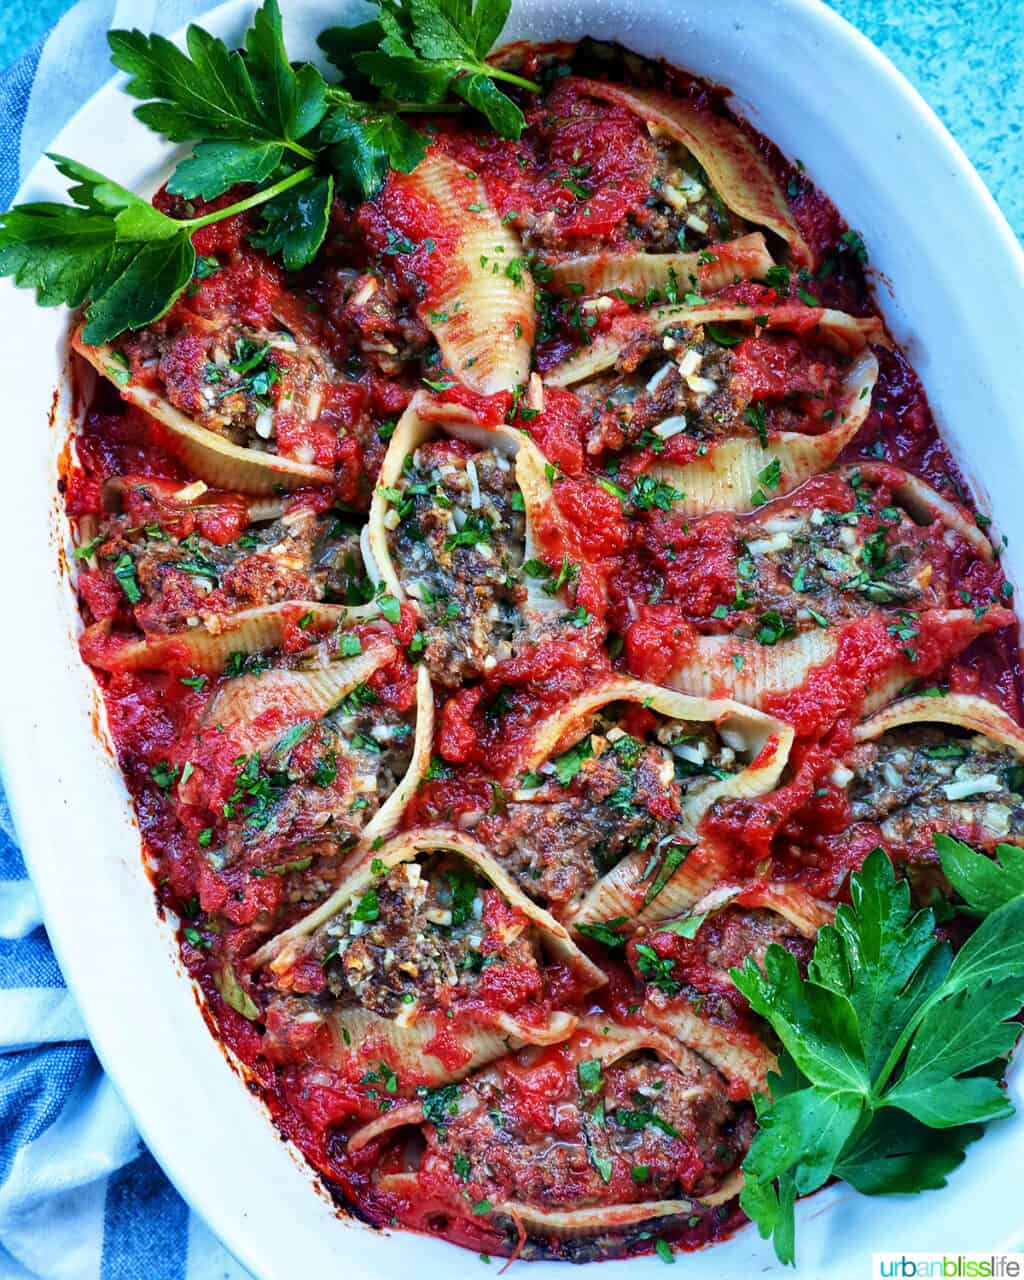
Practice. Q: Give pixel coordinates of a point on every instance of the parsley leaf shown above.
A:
(245, 111)
(892, 1045)
(605, 931)
(425, 49)
(570, 762)
(295, 222)
(983, 883)
(363, 143)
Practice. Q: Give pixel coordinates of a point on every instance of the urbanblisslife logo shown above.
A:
(948, 1266)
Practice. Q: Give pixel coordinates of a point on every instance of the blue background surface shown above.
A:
(965, 56)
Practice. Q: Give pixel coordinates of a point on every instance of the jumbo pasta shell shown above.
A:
(736, 1052)
(353, 1037)
(732, 162)
(640, 887)
(409, 1040)
(480, 305)
(849, 335)
(905, 779)
(596, 1040)
(251, 709)
(260, 719)
(281, 952)
(923, 502)
(728, 478)
(742, 1058)
(426, 419)
(202, 648)
(756, 673)
(219, 462)
(389, 815)
(746, 258)
(765, 740)
(964, 710)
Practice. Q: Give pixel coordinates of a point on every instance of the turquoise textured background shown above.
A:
(965, 56)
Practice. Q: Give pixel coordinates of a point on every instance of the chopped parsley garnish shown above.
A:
(124, 572)
(754, 414)
(477, 529)
(239, 664)
(439, 1105)
(390, 609)
(367, 908)
(773, 628)
(164, 775)
(570, 762)
(590, 1075)
(641, 1119)
(604, 932)
(656, 969)
(670, 862)
(325, 771)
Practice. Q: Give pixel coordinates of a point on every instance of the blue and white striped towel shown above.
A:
(80, 1197)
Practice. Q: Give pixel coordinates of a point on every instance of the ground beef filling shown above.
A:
(917, 780)
(236, 381)
(663, 386)
(190, 581)
(816, 567)
(557, 839)
(320, 784)
(456, 535)
(388, 334)
(683, 212)
(425, 938)
(644, 1130)
(709, 383)
(697, 969)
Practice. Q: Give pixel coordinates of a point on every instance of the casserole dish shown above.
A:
(868, 142)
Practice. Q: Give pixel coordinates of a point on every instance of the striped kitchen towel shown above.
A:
(80, 1197)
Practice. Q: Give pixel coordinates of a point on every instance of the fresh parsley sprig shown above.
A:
(255, 118)
(130, 260)
(892, 1046)
(426, 49)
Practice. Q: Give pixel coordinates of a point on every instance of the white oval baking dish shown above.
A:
(951, 284)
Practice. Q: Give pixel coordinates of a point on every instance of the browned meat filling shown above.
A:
(640, 1130)
(422, 937)
(917, 780)
(241, 383)
(457, 540)
(710, 382)
(318, 785)
(608, 795)
(183, 582)
(387, 332)
(664, 386)
(730, 936)
(812, 567)
(683, 212)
